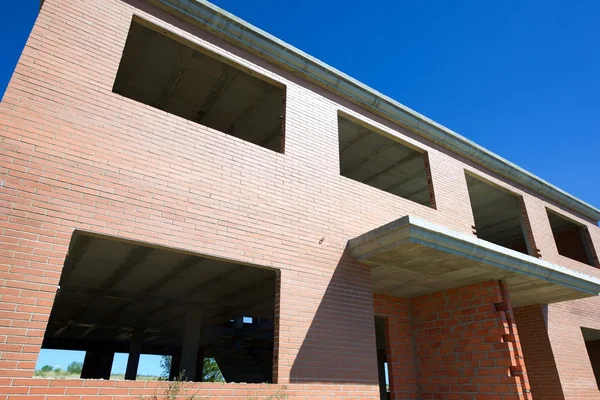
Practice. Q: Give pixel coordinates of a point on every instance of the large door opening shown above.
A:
(119, 296)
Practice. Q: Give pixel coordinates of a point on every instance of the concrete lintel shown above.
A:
(250, 38)
(394, 235)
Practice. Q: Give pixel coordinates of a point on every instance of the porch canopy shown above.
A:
(412, 257)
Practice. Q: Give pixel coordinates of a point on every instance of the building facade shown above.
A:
(175, 181)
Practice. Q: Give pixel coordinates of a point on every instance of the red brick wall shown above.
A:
(541, 367)
(71, 389)
(465, 343)
(402, 373)
(74, 155)
(568, 346)
(454, 343)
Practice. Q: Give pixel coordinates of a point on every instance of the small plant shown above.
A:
(172, 389)
(279, 395)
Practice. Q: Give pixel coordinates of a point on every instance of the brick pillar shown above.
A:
(467, 344)
(532, 247)
(427, 165)
(541, 366)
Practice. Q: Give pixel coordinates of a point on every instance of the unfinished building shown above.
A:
(176, 182)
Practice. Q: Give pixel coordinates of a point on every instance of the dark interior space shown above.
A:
(165, 72)
(498, 218)
(569, 238)
(592, 344)
(384, 393)
(121, 296)
(374, 159)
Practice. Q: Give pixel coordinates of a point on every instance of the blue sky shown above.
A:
(518, 77)
(149, 364)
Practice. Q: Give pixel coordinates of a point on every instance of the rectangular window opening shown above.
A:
(372, 158)
(125, 310)
(498, 218)
(173, 75)
(570, 239)
(592, 345)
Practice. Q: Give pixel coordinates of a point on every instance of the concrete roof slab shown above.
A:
(412, 257)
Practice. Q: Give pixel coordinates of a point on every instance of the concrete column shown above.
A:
(133, 360)
(175, 364)
(200, 366)
(191, 339)
(97, 363)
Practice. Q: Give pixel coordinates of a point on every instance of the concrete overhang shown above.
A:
(250, 38)
(412, 257)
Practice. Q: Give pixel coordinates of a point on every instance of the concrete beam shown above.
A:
(403, 160)
(211, 282)
(362, 133)
(347, 169)
(174, 77)
(265, 90)
(228, 74)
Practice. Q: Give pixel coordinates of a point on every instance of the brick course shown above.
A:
(75, 155)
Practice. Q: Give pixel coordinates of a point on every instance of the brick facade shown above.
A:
(75, 155)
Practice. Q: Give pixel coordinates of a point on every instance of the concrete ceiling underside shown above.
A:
(411, 257)
(497, 215)
(590, 335)
(167, 74)
(111, 288)
(560, 224)
(374, 159)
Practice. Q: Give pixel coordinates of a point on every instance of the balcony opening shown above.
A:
(592, 345)
(570, 239)
(498, 218)
(192, 317)
(166, 72)
(378, 160)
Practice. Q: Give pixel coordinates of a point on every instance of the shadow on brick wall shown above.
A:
(339, 345)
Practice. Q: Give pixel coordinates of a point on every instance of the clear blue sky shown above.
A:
(149, 364)
(518, 77)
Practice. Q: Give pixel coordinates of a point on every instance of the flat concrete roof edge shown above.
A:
(417, 230)
(210, 17)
